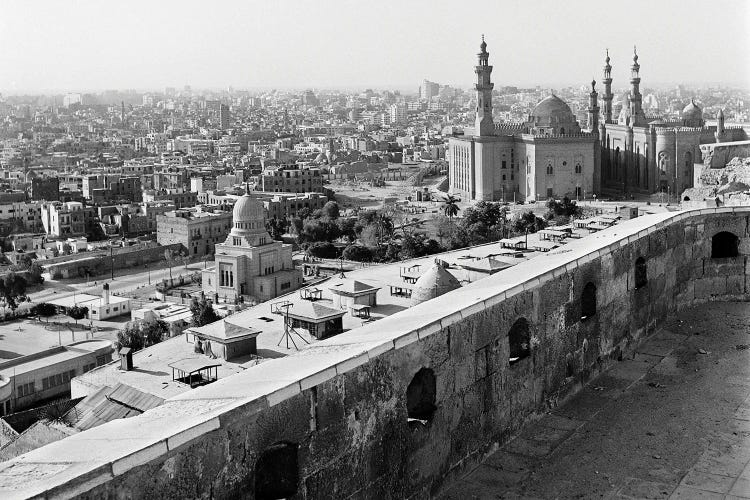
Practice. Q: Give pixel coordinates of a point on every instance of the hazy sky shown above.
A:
(70, 45)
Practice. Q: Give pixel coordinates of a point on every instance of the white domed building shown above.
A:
(250, 264)
(547, 156)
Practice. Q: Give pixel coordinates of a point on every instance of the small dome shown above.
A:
(433, 283)
(692, 113)
(552, 109)
(248, 209)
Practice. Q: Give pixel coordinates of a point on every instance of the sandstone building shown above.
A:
(546, 156)
(646, 154)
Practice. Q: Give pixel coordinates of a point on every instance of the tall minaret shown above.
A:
(720, 132)
(593, 111)
(483, 123)
(636, 99)
(122, 112)
(607, 97)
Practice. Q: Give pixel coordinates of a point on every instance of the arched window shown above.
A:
(578, 168)
(519, 340)
(641, 273)
(549, 169)
(421, 395)
(588, 301)
(724, 244)
(277, 472)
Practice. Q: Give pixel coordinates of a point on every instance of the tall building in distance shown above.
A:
(428, 90)
(398, 113)
(548, 155)
(224, 116)
(644, 154)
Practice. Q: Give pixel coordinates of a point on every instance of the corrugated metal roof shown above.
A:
(133, 398)
(110, 403)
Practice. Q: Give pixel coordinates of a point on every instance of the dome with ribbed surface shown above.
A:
(552, 110)
(433, 283)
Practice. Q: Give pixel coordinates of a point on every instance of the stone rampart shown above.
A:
(396, 408)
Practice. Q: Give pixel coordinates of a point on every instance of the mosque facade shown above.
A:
(644, 154)
(549, 155)
(250, 265)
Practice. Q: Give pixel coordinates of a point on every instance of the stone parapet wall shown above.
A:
(342, 403)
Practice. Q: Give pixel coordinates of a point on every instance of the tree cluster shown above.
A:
(141, 334)
(483, 223)
(203, 312)
(12, 290)
(562, 211)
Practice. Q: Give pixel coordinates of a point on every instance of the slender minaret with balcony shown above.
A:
(638, 117)
(483, 125)
(607, 96)
(593, 109)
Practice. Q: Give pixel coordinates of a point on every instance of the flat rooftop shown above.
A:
(151, 372)
(50, 357)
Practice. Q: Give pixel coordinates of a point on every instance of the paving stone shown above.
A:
(708, 482)
(723, 465)
(638, 488)
(560, 422)
(668, 366)
(648, 358)
(629, 370)
(741, 488)
(511, 462)
(466, 489)
(658, 347)
(742, 413)
(688, 493)
(546, 434)
(529, 448)
(583, 406)
(495, 479)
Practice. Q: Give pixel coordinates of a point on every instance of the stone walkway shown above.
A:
(672, 422)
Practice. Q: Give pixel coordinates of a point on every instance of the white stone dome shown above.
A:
(248, 209)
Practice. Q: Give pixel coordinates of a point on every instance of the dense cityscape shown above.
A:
(311, 277)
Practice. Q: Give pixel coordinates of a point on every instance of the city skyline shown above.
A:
(89, 47)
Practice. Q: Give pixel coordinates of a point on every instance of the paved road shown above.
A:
(126, 281)
(674, 422)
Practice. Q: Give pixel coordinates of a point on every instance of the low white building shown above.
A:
(103, 307)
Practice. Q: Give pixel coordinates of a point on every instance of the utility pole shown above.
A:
(112, 261)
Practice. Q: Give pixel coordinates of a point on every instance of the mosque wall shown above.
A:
(400, 406)
(563, 157)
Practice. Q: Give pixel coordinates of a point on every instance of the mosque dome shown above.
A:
(552, 109)
(692, 115)
(248, 209)
(433, 283)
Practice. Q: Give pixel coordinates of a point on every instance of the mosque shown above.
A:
(546, 156)
(644, 154)
(250, 265)
(550, 155)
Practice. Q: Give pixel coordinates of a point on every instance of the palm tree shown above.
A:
(385, 226)
(451, 206)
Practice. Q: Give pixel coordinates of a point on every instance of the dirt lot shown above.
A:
(674, 422)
